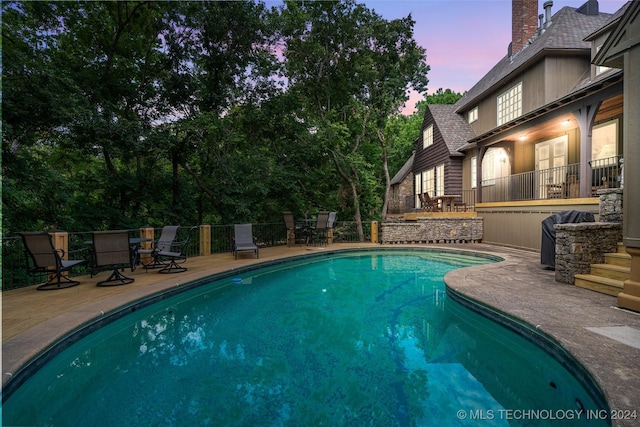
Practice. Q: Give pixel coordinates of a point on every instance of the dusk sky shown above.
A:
(464, 39)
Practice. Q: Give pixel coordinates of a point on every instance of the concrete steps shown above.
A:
(607, 278)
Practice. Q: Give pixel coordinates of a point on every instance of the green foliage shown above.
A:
(443, 97)
(124, 114)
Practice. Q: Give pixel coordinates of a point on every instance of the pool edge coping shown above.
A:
(611, 394)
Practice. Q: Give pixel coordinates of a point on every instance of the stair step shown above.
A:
(599, 284)
(622, 249)
(611, 271)
(616, 258)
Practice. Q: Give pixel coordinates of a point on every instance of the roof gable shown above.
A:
(625, 35)
(453, 127)
(567, 32)
(404, 171)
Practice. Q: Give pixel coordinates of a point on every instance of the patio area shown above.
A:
(603, 338)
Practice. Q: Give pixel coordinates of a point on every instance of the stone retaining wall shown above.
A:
(432, 230)
(582, 244)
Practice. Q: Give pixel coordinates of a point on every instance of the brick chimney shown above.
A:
(524, 23)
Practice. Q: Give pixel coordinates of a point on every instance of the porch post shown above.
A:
(585, 116)
(481, 152)
(629, 298)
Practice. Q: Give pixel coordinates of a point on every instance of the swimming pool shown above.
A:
(349, 338)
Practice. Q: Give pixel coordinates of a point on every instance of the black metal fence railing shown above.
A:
(554, 183)
(14, 262)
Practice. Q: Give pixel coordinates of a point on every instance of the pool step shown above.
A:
(607, 278)
(462, 260)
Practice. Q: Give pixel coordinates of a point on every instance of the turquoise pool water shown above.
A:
(351, 339)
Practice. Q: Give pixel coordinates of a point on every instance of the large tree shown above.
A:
(351, 69)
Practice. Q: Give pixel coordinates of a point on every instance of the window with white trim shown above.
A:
(439, 191)
(424, 183)
(428, 181)
(510, 104)
(474, 172)
(473, 115)
(495, 164)
(427, 136)
(604, 142)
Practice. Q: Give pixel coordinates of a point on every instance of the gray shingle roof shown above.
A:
(404, 170)
(567, 32)
(452, 126)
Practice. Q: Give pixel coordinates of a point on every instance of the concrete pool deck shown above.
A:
(601, 337)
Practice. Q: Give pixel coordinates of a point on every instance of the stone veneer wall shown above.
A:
(432, 230)
(582, 244)
(610, 205)
(402, 196)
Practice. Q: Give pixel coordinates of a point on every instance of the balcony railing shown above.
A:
(554, 183)
(14, 273)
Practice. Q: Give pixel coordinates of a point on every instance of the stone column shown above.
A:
(611, 205)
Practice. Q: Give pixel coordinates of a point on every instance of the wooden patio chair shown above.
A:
(43, 257)
(427, 203)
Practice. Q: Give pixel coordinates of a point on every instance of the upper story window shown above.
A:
(510, 104)
(473, 115)
(427, 136)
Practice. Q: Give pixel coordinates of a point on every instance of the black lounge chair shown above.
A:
(293, 232)
(112, 251)
(244, 240)
(45, 258)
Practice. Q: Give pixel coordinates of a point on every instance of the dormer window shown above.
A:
(600, 69)
(473, 115)
(510, 104)
(427, 136)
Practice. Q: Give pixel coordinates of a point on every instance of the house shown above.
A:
(621, 49)
(440, 162)
(437, 166)
(540, 133)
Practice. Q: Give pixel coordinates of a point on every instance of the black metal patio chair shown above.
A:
(173, 255)
(112, 251)
(43, 257)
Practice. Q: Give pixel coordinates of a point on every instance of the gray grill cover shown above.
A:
(548, 248)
